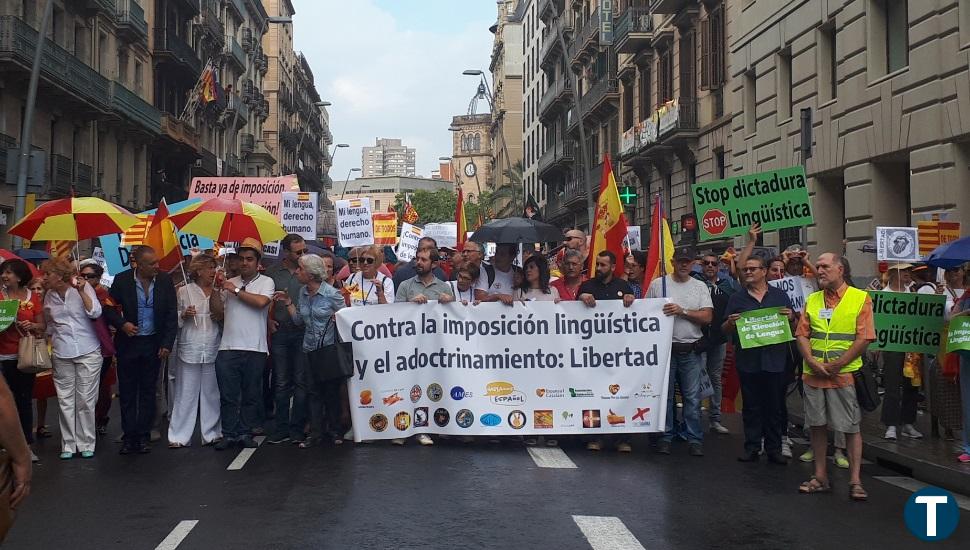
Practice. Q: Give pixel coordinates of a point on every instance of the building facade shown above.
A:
(506, 130)
(472, 154)
(383, 190)
(388, 157)
(533, 88)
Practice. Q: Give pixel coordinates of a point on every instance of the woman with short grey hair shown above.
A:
(314, 267)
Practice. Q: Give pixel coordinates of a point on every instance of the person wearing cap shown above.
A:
(243, 349)
(689, 302)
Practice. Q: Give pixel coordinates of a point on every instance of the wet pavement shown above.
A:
(454, 495)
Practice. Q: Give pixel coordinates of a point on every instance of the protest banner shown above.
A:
(958, 337)
(897, 244)
(408, 246)
(729, 207)
(798, 289)
(385, 228)
(532, 368)
(266, 192)
(355, 227)
(633, 237)
(763, 327)
(933, 233)
(298, 214)
(8, 313)
(907, 321)
(445, 234)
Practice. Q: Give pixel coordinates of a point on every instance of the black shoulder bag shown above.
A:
(866, 391)
(334, 361)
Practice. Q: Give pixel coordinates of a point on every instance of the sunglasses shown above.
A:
(90, 276)
(710, 263)
(361, 260)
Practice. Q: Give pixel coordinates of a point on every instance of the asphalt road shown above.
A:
(452, 496)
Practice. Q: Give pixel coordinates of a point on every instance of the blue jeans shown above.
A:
(239, 374)
(685, 370)
(714, 361)
(965, 398)
(289, 366)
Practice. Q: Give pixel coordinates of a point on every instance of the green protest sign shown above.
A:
(763, 327)
(906, 321)
(8, 313)
(776, 199)
(958, 338)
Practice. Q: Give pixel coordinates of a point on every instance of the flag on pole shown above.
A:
(460, 222)
(161, 236)
(60, 249)
(410, 214)
(660, 242)
(210, 81)
(609, 223)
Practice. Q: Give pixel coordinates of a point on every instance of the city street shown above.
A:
(453, 495)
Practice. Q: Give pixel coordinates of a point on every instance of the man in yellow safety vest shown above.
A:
(833, 334)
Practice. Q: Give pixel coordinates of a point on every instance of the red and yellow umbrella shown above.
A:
(229, 220)
(73, 219)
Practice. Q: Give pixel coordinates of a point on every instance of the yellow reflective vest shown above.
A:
(830, 338)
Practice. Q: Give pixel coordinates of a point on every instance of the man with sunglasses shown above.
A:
(286, 345)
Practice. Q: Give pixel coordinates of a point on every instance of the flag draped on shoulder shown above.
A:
(460, 222)
(660, 253)
(609, 223)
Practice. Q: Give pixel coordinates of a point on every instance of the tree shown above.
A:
(506, 198)
(432, 207)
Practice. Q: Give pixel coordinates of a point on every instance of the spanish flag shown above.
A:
(609, 225)
(460, 222)
(659, 233)
(210, 85)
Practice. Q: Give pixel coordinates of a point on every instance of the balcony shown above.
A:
(173, 48)
(575, 188)
(61, 182)
(551, 51)
(84, 187)
(264, 110)
(206, 164)
(557, 98)
(247, 40)
(106, 6)
(586, 40)
(247, 144)
(63, 76)
(236, 8)
(601, 100)
(234, 105)
(677, 120)
(210, 23)
(231, 166)
(668, 6)
(179, 131)
(549, 8)
(235, 54)
(557, 159)
(130, 18)
(127, 105)
(633, 31)
(248, 91)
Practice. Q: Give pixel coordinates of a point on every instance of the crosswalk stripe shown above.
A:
(914, 485)
(178, 534)
(245, 454)
(607, 533)
(550, 457)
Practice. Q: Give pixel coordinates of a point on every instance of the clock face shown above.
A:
(470, 169)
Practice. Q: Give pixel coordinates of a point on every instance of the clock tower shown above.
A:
(472, 153)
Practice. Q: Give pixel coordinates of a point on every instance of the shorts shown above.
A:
(837, 408)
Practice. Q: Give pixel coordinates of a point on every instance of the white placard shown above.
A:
(354, 224)
(532, 368)
(445, 234)
(795, 289)
(897, 244)
(407, 247)
(633, 237)
(298, 214)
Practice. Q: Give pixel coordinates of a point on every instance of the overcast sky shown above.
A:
(392, 68)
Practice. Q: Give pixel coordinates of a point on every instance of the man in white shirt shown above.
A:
(503, 283)
(243, 351)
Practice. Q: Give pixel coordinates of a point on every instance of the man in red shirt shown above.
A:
(572, 275)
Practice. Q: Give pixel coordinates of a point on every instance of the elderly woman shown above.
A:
(15, 276)
(70, 306)
(463, 287)
(92, 273)
(535, 285)
(314, 311)
(367, 286)
(196, 386)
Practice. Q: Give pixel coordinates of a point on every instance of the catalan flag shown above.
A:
(210, 85)
(60, 249)
(410, 214)
(460, 222)
(609, 223)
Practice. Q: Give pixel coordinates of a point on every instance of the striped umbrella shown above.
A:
(73, 219)
(229, 220)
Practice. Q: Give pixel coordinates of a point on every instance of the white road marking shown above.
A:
(550, 457)
(607, 533)
(914, 485)
(245, 454)
(175, 538)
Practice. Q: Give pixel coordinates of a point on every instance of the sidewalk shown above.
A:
(931, 459)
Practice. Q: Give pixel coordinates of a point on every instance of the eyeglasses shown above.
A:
(91, 276)
(708, 262)
(361, 260)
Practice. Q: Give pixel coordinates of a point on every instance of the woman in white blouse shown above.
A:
(196, 386)
(367, 286)
(70, 306)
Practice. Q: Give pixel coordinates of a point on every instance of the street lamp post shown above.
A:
(344, 192)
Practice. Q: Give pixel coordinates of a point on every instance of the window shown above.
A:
(720, 169)
(887, 41)
(712, 48)
(138, 77)
(628, 107)
(123, 67)
(687, 86)
(750, 103)
(828, 83)
(646, 101)
(964, 16)
(783, 97)
(665, 76)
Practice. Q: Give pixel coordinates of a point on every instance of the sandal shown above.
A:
(813, 486)
(857, 493)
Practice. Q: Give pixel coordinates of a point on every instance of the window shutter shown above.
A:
(705, 25)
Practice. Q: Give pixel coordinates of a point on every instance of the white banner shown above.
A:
(408, 245)
(897, 244)
(445, 234)
(298, 214)
(354, 224)
(533, 368)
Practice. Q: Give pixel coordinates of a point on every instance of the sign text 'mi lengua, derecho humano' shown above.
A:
(776, 199)
(907, 321)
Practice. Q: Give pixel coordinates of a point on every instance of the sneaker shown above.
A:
(717, 427)
(276, 439)
(594, 446)
(425, 439)
(397, 441)
(624, 448)
(695, 449)
(840, 459)
(890, 433)
(786, 448)
(911, 432)
(807, 456)
(247, 442)
(34, 457)
(663, 447)
(87, 454)
(223, 444)
(964, 458)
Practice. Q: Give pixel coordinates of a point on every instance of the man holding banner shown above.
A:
(761, 315)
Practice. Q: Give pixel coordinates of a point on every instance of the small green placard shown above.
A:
(958, 339)
(906, 321)
(776, 199)
(8, 313)
(763, 327)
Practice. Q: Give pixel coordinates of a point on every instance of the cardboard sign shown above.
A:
(897, 244)
(633, 237)
(298, 214)
(408, 246)
(729, 207)
(385, 228)
(355, 226)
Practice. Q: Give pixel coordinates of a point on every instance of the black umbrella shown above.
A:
(517, 230)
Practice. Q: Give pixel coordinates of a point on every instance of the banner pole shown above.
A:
(663, 253)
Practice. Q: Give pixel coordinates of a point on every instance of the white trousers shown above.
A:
(76, 382)
(196, 395)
